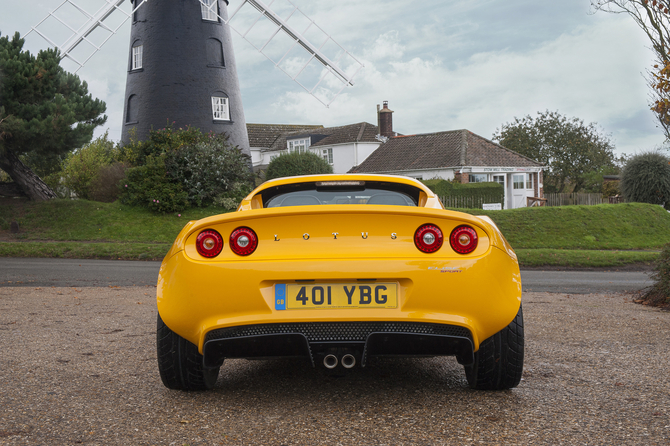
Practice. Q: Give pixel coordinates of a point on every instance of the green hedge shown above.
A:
(471, 195)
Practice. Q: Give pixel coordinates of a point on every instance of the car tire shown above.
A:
(179, 362)
(498, 363)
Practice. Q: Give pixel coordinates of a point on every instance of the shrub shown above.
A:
(659, 293)
(106, 186)
(646, 179)
(611, 189)
(82, 167)
(292, 164)
(160, 142)
(475, 193)
(210, 169)
(149, 186)
(176, 169)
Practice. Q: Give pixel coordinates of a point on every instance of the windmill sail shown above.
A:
(284, 37)
(86, 23)
(262, 29)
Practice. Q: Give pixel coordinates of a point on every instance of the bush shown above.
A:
(646, 179)
(489, 192)
(105, 187)
(293, 164)
(659, 293)
(82, 168)
(149, 186)
(160, 142)
(209, 170)
(611, 189)
(176, 169)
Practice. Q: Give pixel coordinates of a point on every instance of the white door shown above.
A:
(518, 190)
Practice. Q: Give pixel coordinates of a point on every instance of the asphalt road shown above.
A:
(99, 273)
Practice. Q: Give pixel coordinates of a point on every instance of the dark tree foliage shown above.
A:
(570, 149)
(646, 179)
(45, 113)
(293, 164)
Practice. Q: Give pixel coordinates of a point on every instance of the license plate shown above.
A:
(296, 296)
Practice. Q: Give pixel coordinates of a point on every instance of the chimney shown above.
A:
(385, 118)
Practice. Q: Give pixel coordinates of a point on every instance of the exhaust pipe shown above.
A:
(330, 361)
(348, 361)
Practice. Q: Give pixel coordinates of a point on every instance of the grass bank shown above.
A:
(578, 236)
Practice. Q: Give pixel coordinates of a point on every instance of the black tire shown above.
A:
(499, 361)
(179, 362)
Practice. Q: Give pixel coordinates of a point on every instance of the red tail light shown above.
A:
(428, 238)
(243, 241)
(209, 243)
(463, 239)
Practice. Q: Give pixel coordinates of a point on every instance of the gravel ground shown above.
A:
(78, 367)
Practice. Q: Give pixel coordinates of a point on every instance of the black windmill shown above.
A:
(181, 71)
(181, 66)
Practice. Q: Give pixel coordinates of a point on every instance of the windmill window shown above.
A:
(209, 10)
(137, 57)
(220, 109)
(214, 53)
(132, 109)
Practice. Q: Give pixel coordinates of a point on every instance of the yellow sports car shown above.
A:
(340, 269)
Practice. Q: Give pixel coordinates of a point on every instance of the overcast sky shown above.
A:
(441, 64)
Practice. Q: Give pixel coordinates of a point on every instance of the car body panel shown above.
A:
(339, 244)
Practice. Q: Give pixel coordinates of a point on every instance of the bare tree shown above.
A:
(653, 17)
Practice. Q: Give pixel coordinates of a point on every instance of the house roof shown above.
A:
(273, 136)
(360, 132)
(441, 150)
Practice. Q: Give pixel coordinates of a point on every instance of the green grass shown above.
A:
(579, 236)
(629, 226)
(81, 220)
(584, 258)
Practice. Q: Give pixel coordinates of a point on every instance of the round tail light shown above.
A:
(428, 238)
(463, 239)
(243, 241)
(209, 243)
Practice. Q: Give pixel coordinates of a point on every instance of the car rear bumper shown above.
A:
(315, 340)
(196, 299)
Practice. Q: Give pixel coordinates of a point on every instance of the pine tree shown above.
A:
(45, 112)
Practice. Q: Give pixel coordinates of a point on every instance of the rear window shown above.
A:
(341, 192)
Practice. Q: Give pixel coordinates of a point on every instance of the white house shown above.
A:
(366, 148)
(461, 155)
(343, 147)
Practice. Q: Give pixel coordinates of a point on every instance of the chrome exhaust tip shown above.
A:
(330, 361)
(348, 361)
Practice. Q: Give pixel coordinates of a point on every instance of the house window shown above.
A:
(328, 155)
(518, 181)
(477, 178)
(298, 145)
(209, 10)
(220, 109)
(500, 179)
(137, 57)
(529, 181)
